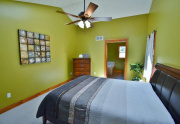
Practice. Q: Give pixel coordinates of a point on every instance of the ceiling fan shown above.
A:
(85, 16)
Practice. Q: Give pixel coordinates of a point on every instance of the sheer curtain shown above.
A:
(148, 64)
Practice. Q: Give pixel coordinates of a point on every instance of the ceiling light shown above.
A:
(81, 24)
(88, 24)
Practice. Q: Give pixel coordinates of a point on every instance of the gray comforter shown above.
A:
(93, 100)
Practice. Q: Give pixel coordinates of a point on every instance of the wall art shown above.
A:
(34, 47)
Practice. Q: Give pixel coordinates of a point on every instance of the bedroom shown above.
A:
(67, 42)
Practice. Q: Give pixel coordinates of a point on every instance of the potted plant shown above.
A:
(137, 68)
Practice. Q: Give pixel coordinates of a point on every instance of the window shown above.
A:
(121, 52)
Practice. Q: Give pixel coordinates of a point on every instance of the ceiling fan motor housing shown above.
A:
(81, 14)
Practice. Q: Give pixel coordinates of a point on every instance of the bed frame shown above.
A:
(165, 81)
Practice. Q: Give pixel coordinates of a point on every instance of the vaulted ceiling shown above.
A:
(107, 8)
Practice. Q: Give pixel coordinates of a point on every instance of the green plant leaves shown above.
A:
(137, 68)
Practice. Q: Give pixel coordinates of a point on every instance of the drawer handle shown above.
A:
(81, 65)
(82, 69)
(82, 61)
(82, 73)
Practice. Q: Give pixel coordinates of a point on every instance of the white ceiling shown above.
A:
(107, 8)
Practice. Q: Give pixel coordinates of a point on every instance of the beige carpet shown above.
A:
(23, 114)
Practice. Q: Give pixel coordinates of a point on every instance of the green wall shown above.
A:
(113, 55)
(134, 28)
(26, 80)
(165, 18)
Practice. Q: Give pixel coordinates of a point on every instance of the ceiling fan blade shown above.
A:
(91, 8)
(100, 18)
(58, 11)
(73, 22)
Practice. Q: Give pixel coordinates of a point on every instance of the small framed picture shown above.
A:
(47, 37)
(47, 54)
(31, 47)
(36, 41)
(24, 61)
(42, 42)
(22, 33)
(38, 60)
(30, 41)
(31, 54)
(42, 37)
(47, 43)
(24, 54)
(37, 54)
(47, 48)
(36, 35)
(37, 48)
(43, 54)
(43, 48)
(48, 59)
(43, 59)
(23, 40)
(23, 47)
(31, 60)
(29, 34)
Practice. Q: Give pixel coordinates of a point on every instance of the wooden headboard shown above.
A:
(165, 81)
(169, 70)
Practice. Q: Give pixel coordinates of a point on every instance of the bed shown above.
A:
(94, 100)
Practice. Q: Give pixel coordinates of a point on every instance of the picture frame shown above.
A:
(33, 47)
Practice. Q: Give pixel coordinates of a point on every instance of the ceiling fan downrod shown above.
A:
(84, 6)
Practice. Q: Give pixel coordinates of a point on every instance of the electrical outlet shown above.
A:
(94, 73)
(8, 95)
(70, 73)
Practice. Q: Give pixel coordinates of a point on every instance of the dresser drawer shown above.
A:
(81, 65)
(81, 73)
(81, 69)
(82, 61)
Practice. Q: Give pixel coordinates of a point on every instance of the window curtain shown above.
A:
(148, 64)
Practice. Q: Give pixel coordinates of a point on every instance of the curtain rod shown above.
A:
(151, 32)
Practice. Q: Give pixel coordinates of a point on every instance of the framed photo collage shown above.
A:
(34, 47)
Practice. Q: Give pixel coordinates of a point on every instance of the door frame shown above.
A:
(105, 57)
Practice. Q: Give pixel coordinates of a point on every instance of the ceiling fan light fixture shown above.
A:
(88, 24)
(81, 24)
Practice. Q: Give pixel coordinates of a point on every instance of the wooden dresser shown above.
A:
(81, 66)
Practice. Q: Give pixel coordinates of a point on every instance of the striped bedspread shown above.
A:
(93, 100)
